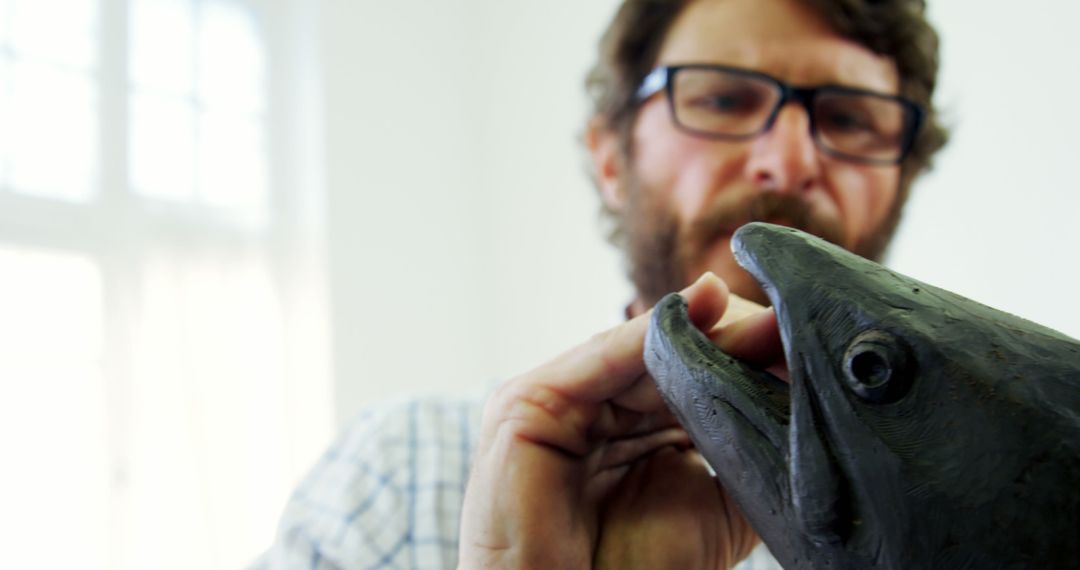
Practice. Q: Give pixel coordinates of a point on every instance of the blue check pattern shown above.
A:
(388, 494)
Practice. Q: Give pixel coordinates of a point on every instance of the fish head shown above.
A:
(910, 410)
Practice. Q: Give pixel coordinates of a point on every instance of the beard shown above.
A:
(662, 250)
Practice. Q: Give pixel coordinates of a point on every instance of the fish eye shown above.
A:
(876, 367)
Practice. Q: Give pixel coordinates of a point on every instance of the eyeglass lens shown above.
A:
(729, 104)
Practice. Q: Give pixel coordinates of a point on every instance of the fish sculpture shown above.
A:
(919, 429)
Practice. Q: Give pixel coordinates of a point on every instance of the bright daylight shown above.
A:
(322, 284)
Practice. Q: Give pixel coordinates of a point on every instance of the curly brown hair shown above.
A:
(897, 29)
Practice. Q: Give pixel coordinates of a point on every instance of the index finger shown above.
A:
(612, 361)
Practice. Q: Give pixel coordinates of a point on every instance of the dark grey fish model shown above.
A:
(920, 429)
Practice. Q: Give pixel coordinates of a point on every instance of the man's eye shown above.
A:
(847, 121)
(727, 102)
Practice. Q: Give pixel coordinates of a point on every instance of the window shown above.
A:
(48, 74)
(198, 102)
(163, 331)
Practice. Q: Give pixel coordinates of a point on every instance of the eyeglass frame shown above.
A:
(661, 79)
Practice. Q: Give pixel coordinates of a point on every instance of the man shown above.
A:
(708, 114)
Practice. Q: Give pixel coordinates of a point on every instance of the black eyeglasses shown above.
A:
(730, 103)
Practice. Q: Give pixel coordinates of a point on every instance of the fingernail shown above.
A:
(707, 276)
(708, 280)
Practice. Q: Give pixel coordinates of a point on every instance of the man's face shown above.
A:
(681, 196)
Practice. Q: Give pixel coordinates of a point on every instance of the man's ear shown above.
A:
(603, 145)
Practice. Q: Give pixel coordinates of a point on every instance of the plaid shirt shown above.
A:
(388, 494)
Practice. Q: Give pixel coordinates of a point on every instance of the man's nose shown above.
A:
(785, 158)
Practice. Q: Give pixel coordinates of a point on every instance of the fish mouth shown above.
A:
(736, 415)
(685, 363)
(787, 263)
(761, 434)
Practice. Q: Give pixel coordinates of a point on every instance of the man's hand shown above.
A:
(579, 463)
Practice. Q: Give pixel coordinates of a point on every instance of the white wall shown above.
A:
(999, 219)
(463, 239)
(464, 245)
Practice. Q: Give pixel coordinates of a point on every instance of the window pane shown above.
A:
(196, 124)
(207, 377)
(232, 165)
(52, 412)
(162, 45)
(231, 61)
(58, 31)
(5, 25)
(53, 116)
(162, 147)
(5, 115)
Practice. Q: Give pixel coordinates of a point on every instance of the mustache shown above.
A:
(724, 217)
